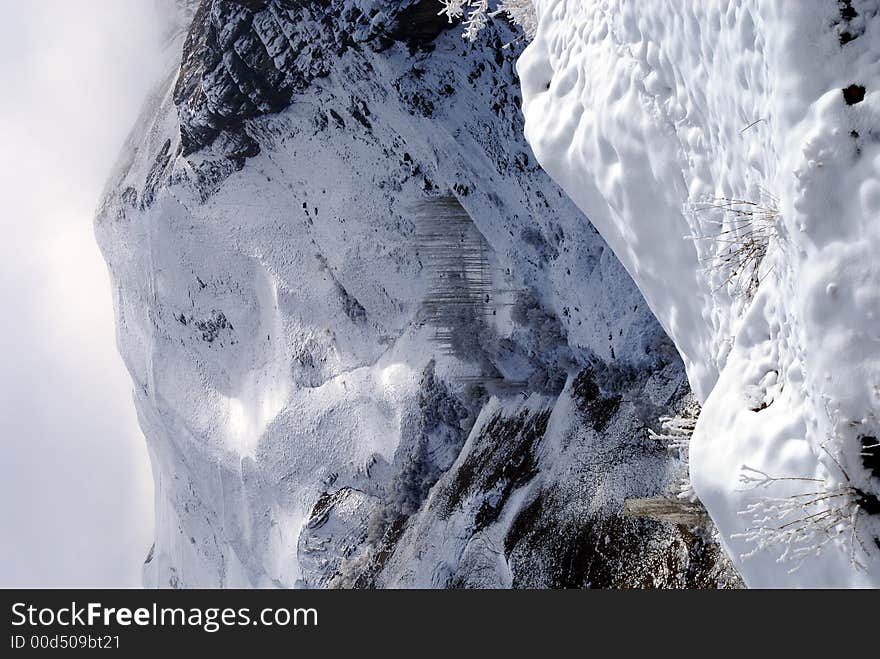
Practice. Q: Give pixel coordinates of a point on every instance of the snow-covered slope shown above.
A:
(367, 333)
(729, 154)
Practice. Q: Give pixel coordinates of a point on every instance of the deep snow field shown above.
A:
(686, 131)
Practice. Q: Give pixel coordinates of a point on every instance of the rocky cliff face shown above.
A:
(372, 343)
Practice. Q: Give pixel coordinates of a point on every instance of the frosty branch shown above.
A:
(676, 433)
(802, 524)
(476, 14)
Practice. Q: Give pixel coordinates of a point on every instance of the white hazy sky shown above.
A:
(75, 486)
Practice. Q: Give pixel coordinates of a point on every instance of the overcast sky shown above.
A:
(75, 484)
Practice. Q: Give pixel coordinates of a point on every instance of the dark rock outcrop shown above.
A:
(246, 58)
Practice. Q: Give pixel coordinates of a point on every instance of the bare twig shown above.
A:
(746, 231)
(805, 523)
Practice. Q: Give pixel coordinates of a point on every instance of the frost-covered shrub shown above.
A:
(676, 432)
(804, 524)
(476, 14)
(741, 238)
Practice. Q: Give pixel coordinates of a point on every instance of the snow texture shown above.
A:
(728, 153)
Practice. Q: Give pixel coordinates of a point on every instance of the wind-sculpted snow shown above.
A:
(279, 308)
(728, 152)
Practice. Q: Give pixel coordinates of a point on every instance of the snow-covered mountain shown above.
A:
(728, 152)
(373, 344)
